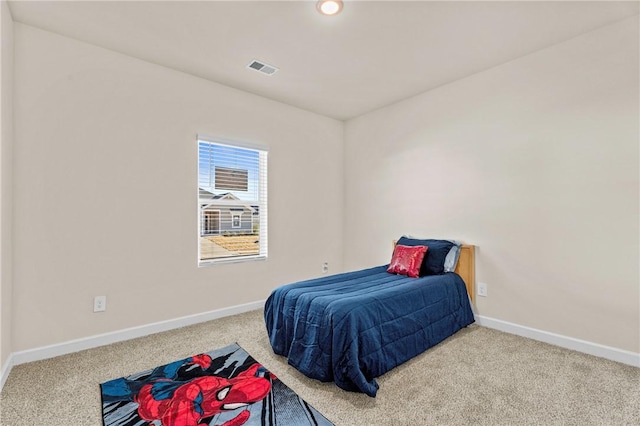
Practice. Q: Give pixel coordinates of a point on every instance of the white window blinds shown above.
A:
(232, 202)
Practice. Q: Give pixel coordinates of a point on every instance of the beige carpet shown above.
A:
(479, 376)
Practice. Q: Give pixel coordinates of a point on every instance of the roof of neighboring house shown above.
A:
(208, 199)
(204, 194)
(225, 196)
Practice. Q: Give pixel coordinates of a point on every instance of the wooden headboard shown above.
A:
(466, 268)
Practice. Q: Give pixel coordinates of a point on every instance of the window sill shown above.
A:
(226, 260)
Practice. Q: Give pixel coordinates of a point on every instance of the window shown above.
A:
(232, 201)
(235, 221)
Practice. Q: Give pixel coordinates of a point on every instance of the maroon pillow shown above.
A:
(407, 260)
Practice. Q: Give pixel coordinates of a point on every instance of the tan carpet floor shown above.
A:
(479, 376)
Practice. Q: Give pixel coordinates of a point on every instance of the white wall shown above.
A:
(105, 191)
(534, 161)
(6, 190)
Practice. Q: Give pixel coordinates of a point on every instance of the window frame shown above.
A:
(262, 202)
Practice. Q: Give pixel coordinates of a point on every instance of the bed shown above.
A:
(352, 327)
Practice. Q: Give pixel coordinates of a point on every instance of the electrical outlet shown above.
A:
(325, 267)
(99, 303)
(482, 289)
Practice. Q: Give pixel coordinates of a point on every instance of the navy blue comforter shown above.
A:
(350, 328)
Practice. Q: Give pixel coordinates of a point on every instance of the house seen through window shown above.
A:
(232, 201)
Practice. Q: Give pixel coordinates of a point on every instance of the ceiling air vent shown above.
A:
(262, 67)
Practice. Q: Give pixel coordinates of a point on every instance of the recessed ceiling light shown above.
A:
(329, 7)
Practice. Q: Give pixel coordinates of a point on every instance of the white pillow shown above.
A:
(451, 261)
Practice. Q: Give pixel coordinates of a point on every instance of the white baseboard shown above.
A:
(608, 352)
(45, 352)
(6, 369)
(71, 346)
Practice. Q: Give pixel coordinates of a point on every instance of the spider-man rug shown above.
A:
(224, 387)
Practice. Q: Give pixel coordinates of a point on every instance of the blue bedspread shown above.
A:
(350, 328)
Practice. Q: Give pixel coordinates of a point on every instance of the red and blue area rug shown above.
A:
(224, 387)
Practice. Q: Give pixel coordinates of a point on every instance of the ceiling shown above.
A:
(372, 54)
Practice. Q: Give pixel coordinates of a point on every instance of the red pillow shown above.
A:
(407, 260)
